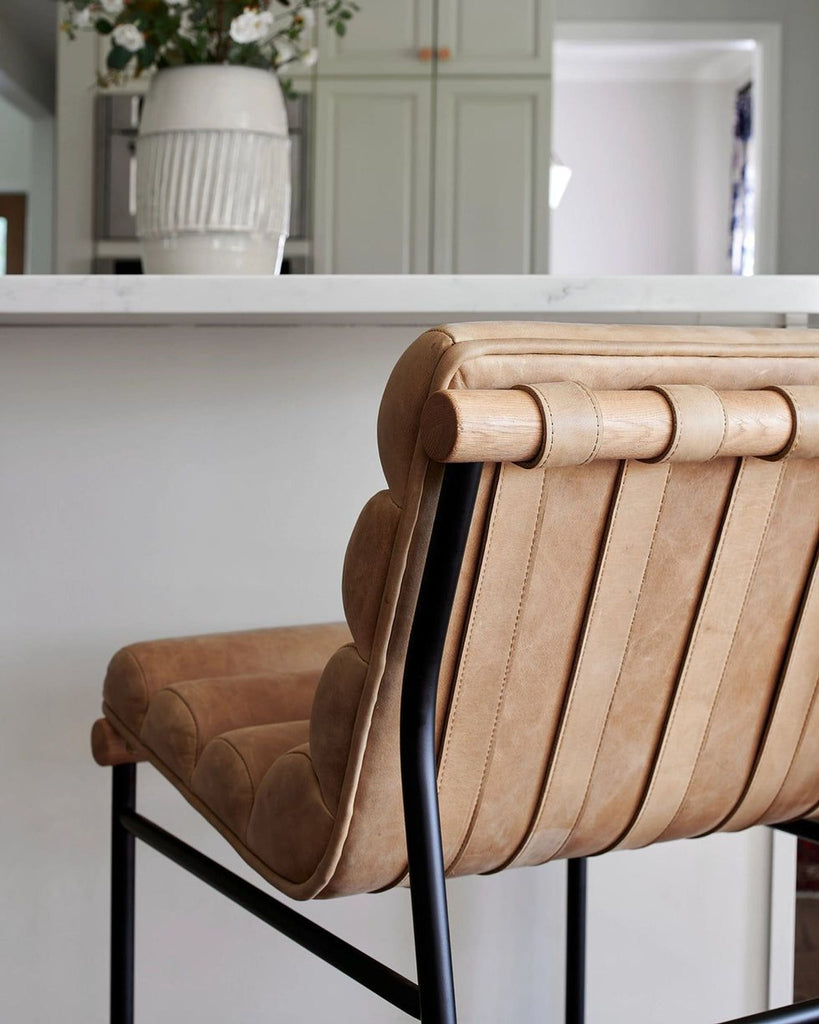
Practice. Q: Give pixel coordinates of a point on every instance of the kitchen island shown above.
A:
(187, 455)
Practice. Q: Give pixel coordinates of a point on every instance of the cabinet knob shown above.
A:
(425, 53)
(444, 53)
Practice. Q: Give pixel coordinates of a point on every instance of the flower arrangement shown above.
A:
(145, 34)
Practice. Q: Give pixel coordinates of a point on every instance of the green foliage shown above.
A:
(145, 34)
(118, 58)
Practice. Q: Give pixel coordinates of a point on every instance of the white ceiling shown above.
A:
(681, 60)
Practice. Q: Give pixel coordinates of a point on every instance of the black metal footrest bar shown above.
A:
(797, 1013)
(808, 830)
(353, 962)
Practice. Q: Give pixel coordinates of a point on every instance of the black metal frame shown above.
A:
(432, 999)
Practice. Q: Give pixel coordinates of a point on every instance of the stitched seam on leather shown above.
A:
(185, 703)
(326, 868)
(486, 518)
(358, 752)
(308, 757)
(482, 528)
(596, 447)
(812, 583)
(798, 417)
(507, 669)
(241, 757)
(459, 685)
(546, 785)
(196, 801)
(724, 424)
(748, 588)
(678, 425)
(626, 649)
(739, 809)
(794, 752)
(548, 410)
(672, 714)
(143, 677)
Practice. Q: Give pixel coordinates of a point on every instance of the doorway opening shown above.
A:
(670, 131)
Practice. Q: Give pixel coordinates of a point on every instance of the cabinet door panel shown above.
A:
(385, 38)
(492, 177)
(372, 177)
(483, 37)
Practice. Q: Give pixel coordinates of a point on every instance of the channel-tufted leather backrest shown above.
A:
(634, 649)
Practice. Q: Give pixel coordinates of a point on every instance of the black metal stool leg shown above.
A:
(122, 897)
(576, 942)
(430, 918)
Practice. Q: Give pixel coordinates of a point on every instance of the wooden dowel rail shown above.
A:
(507, 425)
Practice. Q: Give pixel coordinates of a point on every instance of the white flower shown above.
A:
(252, 26)
(176, 3)
(128, 37)
(285, 51)
(113, 7)
(309, 57)
(307, 18)
(82, 19)
(187, 27)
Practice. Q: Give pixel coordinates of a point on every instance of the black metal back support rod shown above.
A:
(450, 530)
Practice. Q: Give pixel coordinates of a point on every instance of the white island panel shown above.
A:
(182, 456)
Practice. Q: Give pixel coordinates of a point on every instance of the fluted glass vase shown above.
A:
(213, 172)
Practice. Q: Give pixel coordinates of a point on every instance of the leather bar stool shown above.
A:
(582, 616)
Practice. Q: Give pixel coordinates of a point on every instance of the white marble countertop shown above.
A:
(391, 299)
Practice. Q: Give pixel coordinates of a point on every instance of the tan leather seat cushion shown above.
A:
(215, 712)
(229, 772)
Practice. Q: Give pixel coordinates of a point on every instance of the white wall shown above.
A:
(26, 165)
(712, 154)
(651, 177)
(163, 481)
(799, 158)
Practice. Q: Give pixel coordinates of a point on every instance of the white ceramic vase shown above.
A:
(213, 172)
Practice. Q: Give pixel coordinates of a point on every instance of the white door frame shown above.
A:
(768, 85)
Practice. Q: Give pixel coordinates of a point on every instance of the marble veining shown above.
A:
(393, 298)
